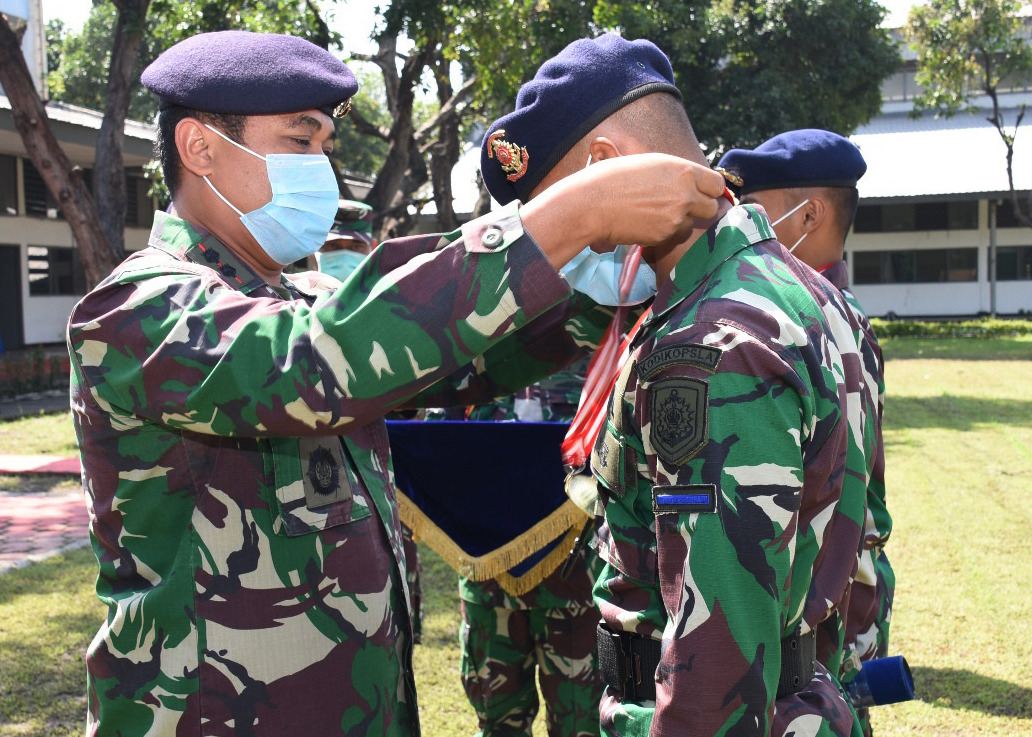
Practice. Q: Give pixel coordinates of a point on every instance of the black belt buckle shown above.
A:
(621, 667)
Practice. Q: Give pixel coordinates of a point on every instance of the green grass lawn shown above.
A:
(959, 463)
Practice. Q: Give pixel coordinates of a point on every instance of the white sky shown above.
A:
(355, 19)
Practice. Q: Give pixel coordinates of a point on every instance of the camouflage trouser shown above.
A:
(500, 649)
(412, 572)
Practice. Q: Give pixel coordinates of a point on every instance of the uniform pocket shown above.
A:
(316, 484)
(674, 507)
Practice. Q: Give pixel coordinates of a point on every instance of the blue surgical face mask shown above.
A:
(295, 222)
(339, 264)
(598, 275)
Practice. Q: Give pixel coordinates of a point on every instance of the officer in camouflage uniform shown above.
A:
(806, 181)
(732, 524)
(229, 416)
(551, 628)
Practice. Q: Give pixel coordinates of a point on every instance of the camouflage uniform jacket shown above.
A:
(864, 635)
(557, 396)
(249, 550)
(724, 467)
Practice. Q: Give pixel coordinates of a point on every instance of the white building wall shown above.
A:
(44, 317)
(944, 298)
(33, 40)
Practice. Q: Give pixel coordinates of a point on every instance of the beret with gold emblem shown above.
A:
(809, 157)
(571, 93)
(246, 73)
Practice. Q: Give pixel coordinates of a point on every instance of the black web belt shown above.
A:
(628, 663)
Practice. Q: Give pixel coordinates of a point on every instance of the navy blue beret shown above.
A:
(245, 73)
(571, 93)
(809, 157)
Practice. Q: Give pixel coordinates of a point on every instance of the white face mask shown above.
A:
(786, 215)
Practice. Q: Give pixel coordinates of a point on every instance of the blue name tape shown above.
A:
(664, 499)
(689, 498)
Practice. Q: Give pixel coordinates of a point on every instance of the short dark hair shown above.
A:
(842, 201)
(165, 150)
(845, 201)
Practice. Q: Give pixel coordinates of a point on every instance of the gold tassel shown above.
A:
(541, 570)
(566, 519)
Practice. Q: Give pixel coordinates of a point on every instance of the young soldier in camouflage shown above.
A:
(806, 181)
(229, 416)
(730, 532)
(550, 629)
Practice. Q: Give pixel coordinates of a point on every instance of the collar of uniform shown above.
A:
(741, 227)
(180, 239)
(837, 273)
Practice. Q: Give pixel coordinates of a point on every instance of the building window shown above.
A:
(1014, 263)
(55, 271)
(915, 266)
(8, 185)
(1005, 217)
(139, 209)
(921, 216)
(38, 200)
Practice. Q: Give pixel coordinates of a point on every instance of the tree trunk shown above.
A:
(109, 168)
(62, 179)
(445, 150)
(403, 170)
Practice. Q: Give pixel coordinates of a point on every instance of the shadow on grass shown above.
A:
(962, 689)
(957, 413)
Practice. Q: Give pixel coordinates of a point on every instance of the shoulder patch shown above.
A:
(700, 356)
(679, 418)
(684, 499)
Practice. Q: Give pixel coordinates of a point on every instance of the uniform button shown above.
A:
(492, 237)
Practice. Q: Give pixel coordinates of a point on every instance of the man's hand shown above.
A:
(648, 199)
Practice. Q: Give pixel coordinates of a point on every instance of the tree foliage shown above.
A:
(79, 61)
(969, 48)
(470, 56)
(751, 70)
(444, 68)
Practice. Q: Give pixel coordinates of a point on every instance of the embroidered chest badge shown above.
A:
(324, 471)
(679, 426)
(512, 158)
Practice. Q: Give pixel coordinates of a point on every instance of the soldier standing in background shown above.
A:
(350, 240)
(805, 180)
(230, 416)
(550, 629)
(729, 535)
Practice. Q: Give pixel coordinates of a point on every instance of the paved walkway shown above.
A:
(35, 526)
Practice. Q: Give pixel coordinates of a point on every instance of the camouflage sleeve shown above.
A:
(701, 519)
(878, 526)
(153, 342)
(548, 344)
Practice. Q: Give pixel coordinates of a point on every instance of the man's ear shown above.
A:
(815, 212)
(192, 144)
(602, 148)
